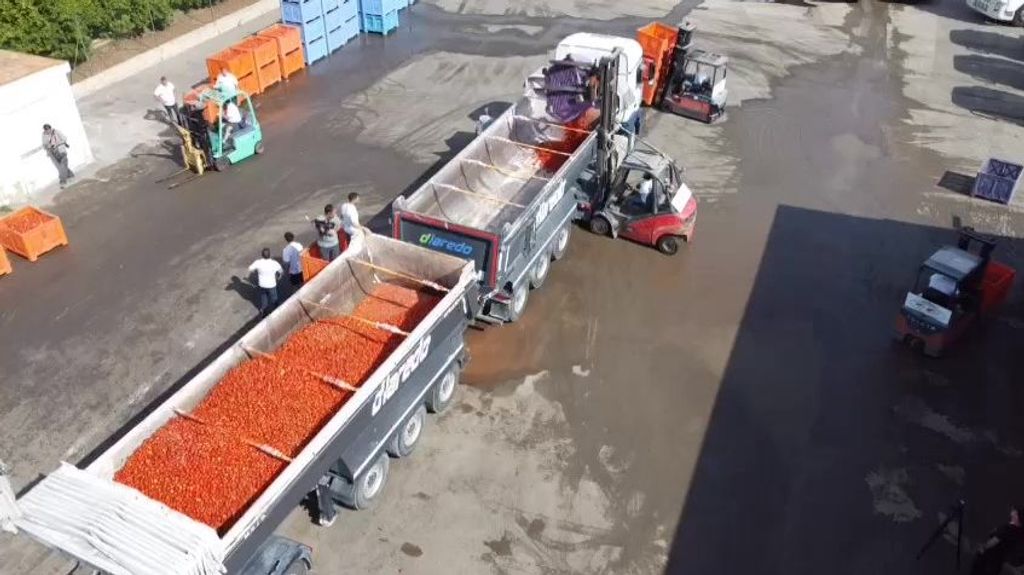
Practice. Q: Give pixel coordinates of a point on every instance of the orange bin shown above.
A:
(311, 261)
(238, 62)
(264, 55)
(210, 111)
(658, 41)
(31, 232)
(5, 264)
(289, 47)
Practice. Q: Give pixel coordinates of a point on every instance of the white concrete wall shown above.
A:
(26, 104)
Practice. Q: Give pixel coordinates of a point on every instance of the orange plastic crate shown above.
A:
(289, 47)
(658, 41)
(311, 261)
(238, 62)
(31, 232)
(264, 54)
(210, 111)
(5, 264)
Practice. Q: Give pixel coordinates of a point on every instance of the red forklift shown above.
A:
(680, 79)
(956, 286)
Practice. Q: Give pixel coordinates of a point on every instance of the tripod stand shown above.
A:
(956, 513)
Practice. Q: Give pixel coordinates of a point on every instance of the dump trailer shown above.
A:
(506, 202)
(116, 529)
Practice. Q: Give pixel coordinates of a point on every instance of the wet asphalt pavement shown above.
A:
(739, 408)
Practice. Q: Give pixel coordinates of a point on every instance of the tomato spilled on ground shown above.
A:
(208, 471)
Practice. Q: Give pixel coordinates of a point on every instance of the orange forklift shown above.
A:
(679, 79)
(956, 286)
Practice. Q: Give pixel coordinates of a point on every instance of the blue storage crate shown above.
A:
(381, 7)
(315, 49)
(333, 19)
(341, 35)
(328, 5)
(349, 8)
(300, 11)
(380, 24)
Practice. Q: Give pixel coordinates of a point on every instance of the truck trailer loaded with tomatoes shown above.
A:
(200, 484)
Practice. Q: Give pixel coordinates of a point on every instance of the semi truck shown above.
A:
(508, 200)
(112, 528)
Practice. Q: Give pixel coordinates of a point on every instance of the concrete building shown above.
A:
(35, 91)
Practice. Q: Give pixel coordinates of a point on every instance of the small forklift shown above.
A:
(682, 80)
(208, 140)
(956, 286)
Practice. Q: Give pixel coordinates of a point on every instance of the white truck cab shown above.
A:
(584, 47)
(1002, 10)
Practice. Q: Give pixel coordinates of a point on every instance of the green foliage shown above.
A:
(65, 28)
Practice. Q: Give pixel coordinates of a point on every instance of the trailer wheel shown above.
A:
(600, 226)
(408, 434)
(297, 567)
(443, 392)
(367, 488)
(540, 271)
(561, 242)
(518, 304)
(668, 245)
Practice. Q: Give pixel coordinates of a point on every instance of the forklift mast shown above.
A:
(607, 162)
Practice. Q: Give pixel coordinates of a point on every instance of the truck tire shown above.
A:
(517, 307)
(540, 271)
(297, 567)
(600, 226)
(366, 489)
(668, 245)
(408, 434)
(443, 392)
(561, 242)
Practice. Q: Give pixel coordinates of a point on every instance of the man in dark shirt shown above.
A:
(1003, 544)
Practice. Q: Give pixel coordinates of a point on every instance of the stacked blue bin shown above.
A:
(380, 16)
(341, 19)
(308, 15)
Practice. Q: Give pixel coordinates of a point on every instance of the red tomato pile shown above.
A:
(209, 472)
(26, 221)
(571, 139)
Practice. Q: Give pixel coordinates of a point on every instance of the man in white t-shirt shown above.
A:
(350, 218)
(290, 257)
(227, 83)
(232, 121)
(164, 93)
(267, 273)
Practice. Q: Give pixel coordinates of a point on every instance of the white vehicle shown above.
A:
(1002, 10)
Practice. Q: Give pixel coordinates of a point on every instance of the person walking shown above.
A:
(56, 146)
(350, 219)
(327, 227)
(164, 93)
(268, 271)
(291, 258)
(1003, 544)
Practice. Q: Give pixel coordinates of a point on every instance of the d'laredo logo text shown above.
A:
(400, 375)
(450, 246)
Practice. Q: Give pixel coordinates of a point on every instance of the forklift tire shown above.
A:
(297, 567)
(259, 148)
(443, 392)
(668, 245)
(600, 226)
(517, 307)
(367, 488)
(408, 434)
(221, 164)
(540, 271)
(561, 242)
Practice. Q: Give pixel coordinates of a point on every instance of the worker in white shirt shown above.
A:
(268, 271)
(643, 192)
(164, 93)
(232, 121)
(227, 83)
(350, 219)
(290, 257)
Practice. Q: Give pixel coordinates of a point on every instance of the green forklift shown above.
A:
(209, 139)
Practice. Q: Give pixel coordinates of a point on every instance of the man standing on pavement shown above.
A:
(267, 273)
(327, 227)
(290, 257)
(56, 146)
(350, 218)
(1004, 544)
(164, 93)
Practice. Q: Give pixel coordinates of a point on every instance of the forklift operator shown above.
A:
(641, 198)
(232, 121)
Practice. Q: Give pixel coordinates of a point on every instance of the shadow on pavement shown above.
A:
(246, 289)
(989, 43)
(989, 69)
(991, 103)
(830, 445)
